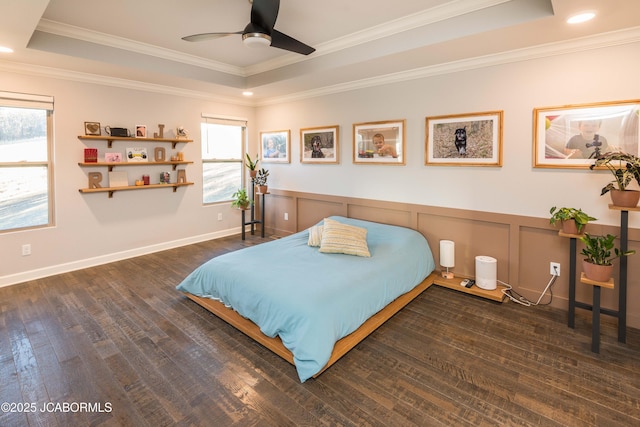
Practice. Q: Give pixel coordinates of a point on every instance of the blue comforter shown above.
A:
(311, 299)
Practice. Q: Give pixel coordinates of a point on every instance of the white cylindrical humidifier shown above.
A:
(486, 272)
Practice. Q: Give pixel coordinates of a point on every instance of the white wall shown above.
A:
(91, 228)
(606, 74)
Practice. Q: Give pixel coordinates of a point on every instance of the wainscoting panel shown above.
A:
(524, 246)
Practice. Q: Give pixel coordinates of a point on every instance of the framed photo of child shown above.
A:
(571, 136)
(379, 143)
(275, 146)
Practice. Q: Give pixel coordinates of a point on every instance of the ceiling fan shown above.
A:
(260, 31)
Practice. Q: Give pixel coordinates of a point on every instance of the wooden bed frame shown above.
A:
(341, 347)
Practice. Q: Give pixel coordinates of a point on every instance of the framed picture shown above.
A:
(473, 139)
(112, 157)
(141, 131)
(92, 128)
(319, 145)
(379, 143)
(572, 135)
(275, 146)
(137, 154)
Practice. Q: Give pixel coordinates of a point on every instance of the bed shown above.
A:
(308, 304)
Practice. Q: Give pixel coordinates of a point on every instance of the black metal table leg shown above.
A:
(595, 322)
(572, 282)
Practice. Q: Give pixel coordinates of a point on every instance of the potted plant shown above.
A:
(573, 220)
(261, 180)
(252, 165)
(624, 168)
(598, 262)
(241, 199)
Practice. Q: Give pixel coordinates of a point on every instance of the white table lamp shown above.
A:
(447, 257)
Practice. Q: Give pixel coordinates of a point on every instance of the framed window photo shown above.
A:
(473, 139)
(379, 143)
(571, 136)
(275, 146)
(141, 131)
(92, 128)
(319, 145)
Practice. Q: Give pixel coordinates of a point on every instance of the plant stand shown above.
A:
(253, 221)
(621, 313)
(595, 309)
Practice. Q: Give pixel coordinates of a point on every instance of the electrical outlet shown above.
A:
(286, 216)
(554, 268)
(220, 216)
(26, 249)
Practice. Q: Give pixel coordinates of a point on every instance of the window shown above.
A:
(222, 158)
(26, 196)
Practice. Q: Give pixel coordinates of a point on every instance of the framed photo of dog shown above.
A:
(319, 145)
(275, 146)
(379, 143)
(473, 139)
(572, 136)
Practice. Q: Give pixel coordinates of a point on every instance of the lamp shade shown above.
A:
(447, 253)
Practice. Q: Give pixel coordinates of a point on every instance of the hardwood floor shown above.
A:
(118, 345)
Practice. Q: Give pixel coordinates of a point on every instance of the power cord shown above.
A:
(517, 298)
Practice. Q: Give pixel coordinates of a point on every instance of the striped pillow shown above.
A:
(339, 238)
(315, 235)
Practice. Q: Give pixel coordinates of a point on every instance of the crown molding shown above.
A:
(416, 20)
(64, 30)
(75, 76)
(604, 40)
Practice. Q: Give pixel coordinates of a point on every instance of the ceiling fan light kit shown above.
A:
(256, 40)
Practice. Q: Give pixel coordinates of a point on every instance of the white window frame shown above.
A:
(229, 121)
(43, 102)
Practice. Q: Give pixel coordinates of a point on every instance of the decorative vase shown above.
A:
(625, 198)
(599, 273)
(570, 227)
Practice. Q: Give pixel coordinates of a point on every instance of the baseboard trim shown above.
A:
(25, 276)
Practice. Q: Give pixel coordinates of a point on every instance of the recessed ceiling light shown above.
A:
(4, 49)
(581, 17)
(247, 93)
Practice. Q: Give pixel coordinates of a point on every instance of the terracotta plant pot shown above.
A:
(625, 199)
(599, 273)
(570, 227)
(262, 189)
(253, 173)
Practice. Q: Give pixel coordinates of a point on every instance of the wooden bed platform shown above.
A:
(341, 347)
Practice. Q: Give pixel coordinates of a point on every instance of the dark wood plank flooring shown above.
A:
(121, 338)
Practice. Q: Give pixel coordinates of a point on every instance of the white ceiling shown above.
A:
(357, 41)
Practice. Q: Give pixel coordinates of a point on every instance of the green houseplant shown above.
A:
(624, 168)
(241, 199)
(252, 165)
(573, 220)
(261, 180)
(598, 252)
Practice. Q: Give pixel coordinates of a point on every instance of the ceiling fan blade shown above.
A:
(264, 14)
(207, 36)
(283, 41)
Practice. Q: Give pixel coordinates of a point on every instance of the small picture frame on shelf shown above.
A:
(92, 128)
(165, 177)
(113, 157)
(137, 154)
(141, 131)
